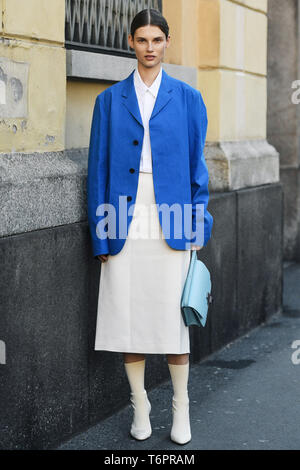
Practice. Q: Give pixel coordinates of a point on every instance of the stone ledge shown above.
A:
(237, 165)
(93, 66)
(42, 190)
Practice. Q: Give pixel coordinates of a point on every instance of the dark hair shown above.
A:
(152, 17)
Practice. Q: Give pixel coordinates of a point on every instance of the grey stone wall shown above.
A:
(283, 119)
(41, 190)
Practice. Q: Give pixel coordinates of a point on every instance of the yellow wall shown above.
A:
(33, 32)
(81, 96)
(38, 19)
(232, 65)
(182, 19)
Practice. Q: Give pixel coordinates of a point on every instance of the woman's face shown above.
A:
(149, 41)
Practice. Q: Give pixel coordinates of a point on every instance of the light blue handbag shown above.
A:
(196, 295)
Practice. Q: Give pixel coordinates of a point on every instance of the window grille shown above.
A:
(103, 25)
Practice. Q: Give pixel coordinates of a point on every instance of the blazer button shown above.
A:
(136, 142)
(132, 170)
(129, 198)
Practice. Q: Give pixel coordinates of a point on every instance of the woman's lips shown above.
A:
(150, 57)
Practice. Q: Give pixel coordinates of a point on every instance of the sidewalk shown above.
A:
(245, 396)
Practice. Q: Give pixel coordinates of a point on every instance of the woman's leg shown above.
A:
(178, 358)
(135, 370)
(179, 371)
(132, 357)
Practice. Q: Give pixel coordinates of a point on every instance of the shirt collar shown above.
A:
(142, 87)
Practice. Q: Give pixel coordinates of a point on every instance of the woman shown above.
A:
(147, 138)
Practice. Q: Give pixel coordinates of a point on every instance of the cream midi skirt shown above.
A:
(140, 287)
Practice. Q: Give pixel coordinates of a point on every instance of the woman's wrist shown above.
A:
(196, 247)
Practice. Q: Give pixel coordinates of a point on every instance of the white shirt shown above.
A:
(146, 99)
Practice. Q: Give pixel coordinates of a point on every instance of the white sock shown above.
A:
(141, 426)
(179, 375)
(136, 375)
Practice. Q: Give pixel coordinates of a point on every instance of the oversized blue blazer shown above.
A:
(177, 127)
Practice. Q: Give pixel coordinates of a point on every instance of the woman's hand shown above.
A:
(103, 258)
(196, 247)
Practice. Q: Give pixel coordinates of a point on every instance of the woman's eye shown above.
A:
(143, 40)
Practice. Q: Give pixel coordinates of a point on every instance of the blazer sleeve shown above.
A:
(198, 168)
(97, 175)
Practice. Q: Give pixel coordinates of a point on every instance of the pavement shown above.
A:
(244, 396)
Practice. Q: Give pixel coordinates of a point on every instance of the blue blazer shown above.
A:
(177, 127)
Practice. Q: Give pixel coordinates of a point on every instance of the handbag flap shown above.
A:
(197, 288)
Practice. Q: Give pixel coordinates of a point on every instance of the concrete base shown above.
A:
(53, 383)
(290, 177)
(41, 190)
(236, 165)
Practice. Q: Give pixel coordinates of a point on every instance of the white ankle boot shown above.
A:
(141, 426)
(181, 429)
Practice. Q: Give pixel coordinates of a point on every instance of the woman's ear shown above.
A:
(130, 41)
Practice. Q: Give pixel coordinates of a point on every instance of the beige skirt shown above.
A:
(140, 287)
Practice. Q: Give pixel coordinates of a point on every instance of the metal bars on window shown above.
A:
(103, 25)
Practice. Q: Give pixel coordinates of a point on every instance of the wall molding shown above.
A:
(104, 67)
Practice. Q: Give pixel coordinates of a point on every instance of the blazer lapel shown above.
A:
(131, 102)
